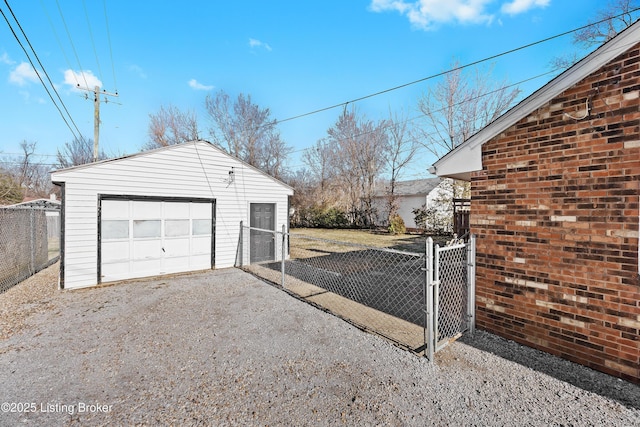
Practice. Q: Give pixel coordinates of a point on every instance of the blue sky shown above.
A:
(290, 56)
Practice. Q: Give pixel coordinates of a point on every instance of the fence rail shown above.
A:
(389, 292)
(29, 242)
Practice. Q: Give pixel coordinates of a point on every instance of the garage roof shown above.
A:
(60, 175)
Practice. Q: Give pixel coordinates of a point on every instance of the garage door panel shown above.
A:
(201, 210)
(148, 238)
(147, 249)
(176, 210)
(115, 229)
(200, 245)
(176, 264)
(113, 209)
(176, 247)
(176, 227)
(115, 251)
(147, 228)
(146, 267)
(200, 262)
(115, 271)
(147, 210)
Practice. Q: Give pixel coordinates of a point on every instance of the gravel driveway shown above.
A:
(224, 348)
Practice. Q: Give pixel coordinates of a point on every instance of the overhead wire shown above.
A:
(461, 67)
(475, 98)
(42, 68)
(113, 67)
(55, 33)
(73, 47)
(93, 44)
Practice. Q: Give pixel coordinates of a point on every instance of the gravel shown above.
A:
(224, 348)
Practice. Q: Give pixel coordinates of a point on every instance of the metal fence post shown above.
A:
(428, 291)
(436, 296)
(32, 226)
(284, 237)
(471, 277)
(240, 246)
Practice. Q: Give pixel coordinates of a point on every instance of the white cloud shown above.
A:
(194, 84)
(519, 6)
(23, 74)
(4, 58)
(425, 14)
(84, 79)
(254, 43)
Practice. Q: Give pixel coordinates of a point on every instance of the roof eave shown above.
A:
(454, 164)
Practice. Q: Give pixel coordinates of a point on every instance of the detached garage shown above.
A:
(169, 210)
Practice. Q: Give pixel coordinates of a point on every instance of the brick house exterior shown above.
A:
(555, 187)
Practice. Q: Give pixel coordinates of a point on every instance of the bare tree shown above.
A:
(170, 126)
(10, 191)
(321, 160)
(77, 152)
(607, 23)
(401, 151)
(459, 106)
(247, 132)
(30, 175)
(273, 154)
(362, 146)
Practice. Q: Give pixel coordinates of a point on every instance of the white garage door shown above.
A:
(149, 238)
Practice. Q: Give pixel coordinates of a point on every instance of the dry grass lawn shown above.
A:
(375, 238)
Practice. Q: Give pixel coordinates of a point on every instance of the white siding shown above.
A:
(406, 205)
(196, 170)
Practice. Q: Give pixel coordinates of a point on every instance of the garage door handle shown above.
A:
(163, 250)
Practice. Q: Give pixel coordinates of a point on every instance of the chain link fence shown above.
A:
(377, 289)
(452, 302)
(29, 242)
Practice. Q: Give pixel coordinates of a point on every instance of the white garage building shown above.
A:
(169, 210)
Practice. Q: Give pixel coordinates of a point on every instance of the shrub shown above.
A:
(396, 225)
(319, 217)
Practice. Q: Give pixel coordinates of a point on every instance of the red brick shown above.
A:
(579, 182)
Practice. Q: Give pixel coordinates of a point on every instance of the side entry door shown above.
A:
(262, 244)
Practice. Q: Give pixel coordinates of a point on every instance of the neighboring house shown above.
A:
(555, 185)
(168, 210)
(410, 195)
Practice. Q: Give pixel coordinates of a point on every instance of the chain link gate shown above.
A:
(450, 294)
(420, 302)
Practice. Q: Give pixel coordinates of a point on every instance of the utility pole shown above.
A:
(96, 114)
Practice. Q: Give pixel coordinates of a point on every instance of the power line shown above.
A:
(36, 155)
(55, 33)
(475, 98)
(42, 67)
(622, 48)
(113, 69)
(93, 44)
(471, 64)
(73, 47)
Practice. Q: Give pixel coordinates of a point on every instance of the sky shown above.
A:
(293, 57)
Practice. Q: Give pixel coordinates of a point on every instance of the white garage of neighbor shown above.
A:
(169, 210)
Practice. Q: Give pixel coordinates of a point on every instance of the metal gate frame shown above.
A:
(435, 283)
(447, 293)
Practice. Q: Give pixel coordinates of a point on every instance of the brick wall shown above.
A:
(556, 212)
